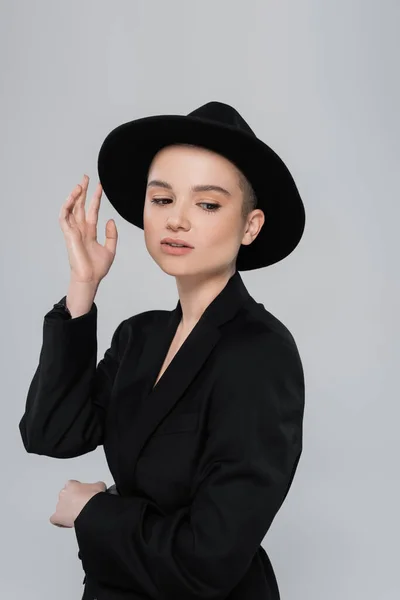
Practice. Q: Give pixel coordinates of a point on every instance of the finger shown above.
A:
(65, 214)
(111, 236)
(71, 199)
(93, 213)
(53, 519)
(79, 207)
(72, 222)
(56, 524)
(94, 206)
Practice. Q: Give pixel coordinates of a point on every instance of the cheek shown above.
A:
(149, 238)
(149, 212)
(151, 226)
(221, 232)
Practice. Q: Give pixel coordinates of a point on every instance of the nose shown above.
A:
(177, 218)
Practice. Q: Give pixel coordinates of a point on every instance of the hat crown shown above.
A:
(223, 114)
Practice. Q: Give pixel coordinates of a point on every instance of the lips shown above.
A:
(175, 250)
(176, 241)
(175, 244)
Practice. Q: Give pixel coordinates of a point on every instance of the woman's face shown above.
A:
(210, 220)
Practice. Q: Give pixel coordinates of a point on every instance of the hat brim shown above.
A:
(127, 151)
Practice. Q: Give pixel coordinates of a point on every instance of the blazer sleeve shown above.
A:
(68, 395)
(252, 448)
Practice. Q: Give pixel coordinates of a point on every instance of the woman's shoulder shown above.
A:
(256, 323)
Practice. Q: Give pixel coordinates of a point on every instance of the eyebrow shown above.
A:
(195, 188)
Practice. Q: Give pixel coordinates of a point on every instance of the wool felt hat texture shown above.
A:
(126, 153)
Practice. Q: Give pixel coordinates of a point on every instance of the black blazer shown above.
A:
(201, 463)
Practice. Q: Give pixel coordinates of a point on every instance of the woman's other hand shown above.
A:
(71, 500)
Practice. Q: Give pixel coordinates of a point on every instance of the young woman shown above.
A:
(200, 408)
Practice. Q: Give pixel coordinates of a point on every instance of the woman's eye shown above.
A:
(157, 200)
(214, 208)
(161, 201)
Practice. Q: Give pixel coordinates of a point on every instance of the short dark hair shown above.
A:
(249, 196)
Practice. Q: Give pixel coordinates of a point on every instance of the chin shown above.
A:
(175, 270)
(177, 266)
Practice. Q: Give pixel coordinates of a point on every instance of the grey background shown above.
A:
(319, 82)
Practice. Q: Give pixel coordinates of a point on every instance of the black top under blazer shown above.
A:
(201, 463)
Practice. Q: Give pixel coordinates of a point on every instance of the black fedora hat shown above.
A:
(127, 151)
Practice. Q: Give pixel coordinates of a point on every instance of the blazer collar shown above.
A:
(141, 407)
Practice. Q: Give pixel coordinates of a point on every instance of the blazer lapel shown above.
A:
(142, 408)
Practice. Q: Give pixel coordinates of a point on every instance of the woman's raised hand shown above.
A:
(89, 260)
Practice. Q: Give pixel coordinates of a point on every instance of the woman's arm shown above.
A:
(68, 395)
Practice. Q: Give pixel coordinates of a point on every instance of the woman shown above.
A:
(200, 408)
